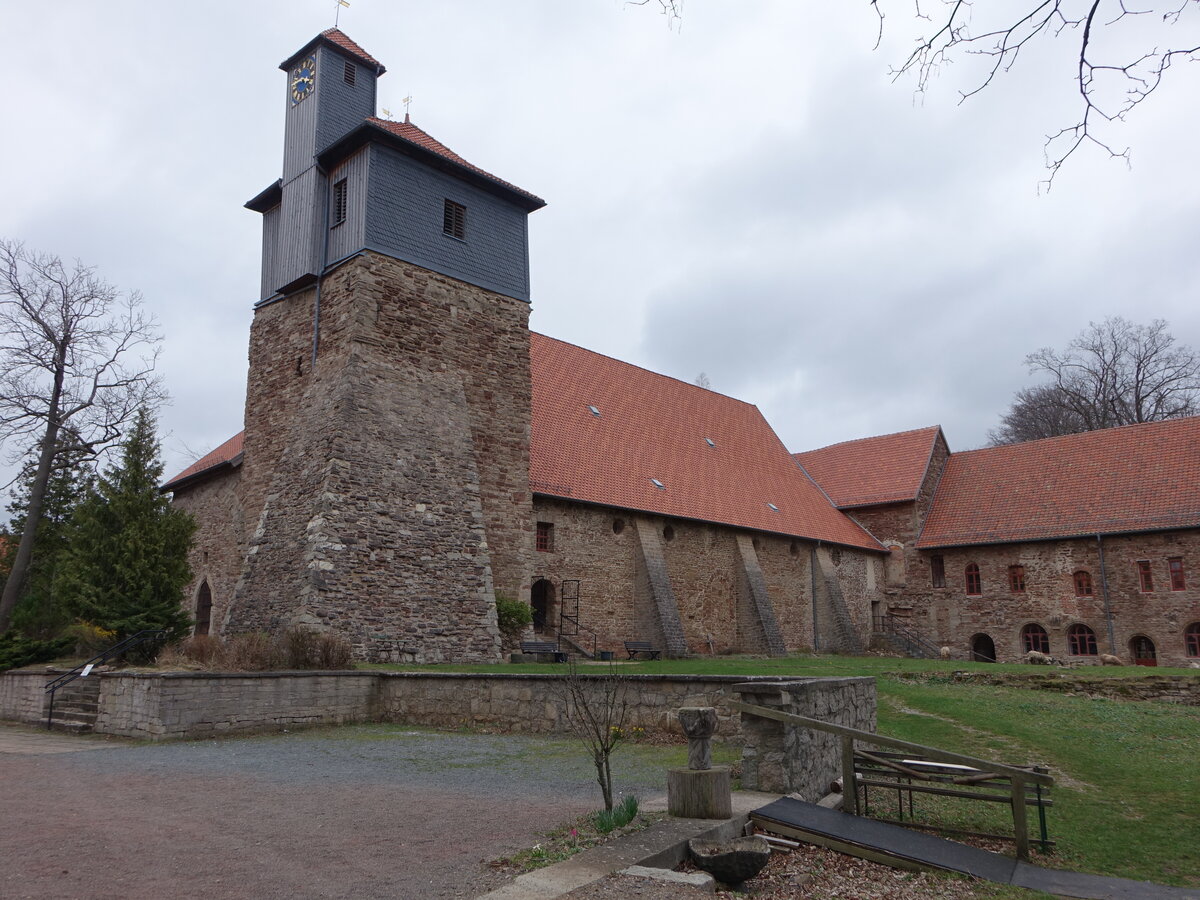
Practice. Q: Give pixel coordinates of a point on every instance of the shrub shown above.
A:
(306, 649)
(296, 648)
(90, 639)
(512, 615)
(17, 651)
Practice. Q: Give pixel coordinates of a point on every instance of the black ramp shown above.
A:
(1096, 887)
(879, 840)
(893, 840)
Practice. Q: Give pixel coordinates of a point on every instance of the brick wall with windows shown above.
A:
(1064, 590)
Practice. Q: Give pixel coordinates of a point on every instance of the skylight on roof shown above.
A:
(658, 484)
(774, 508)
(594, 411)
(710, 442)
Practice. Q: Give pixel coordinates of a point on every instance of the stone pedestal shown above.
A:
(699, 793)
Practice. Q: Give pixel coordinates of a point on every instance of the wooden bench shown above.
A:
(538, 648)
(633, 648)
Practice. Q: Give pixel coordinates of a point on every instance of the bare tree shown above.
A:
(1113, 373)
(1117, 62)
(78, 361)
(1111, 78)
(596, 708)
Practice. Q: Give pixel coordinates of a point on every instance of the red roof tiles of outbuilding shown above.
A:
(415, 135)
(1135, 478)
(649, 427)
(884, 469)
(223, 454)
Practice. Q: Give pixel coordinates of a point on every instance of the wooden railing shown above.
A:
(1022, 786)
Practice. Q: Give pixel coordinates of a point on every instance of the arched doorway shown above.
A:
(203, 608)
(1141, 651)
(983, 649)
(541, 598)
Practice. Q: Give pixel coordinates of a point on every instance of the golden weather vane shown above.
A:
(337, 10)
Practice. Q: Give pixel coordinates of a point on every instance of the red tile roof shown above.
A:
(342, 42)
(414, 135)
(339, 37)
(223, 454)
(884, 469)
(1136, 478)
(654, 427)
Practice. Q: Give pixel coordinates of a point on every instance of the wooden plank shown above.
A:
(848, 776)
(880, 740)
(1020, 824)
(1030, 799)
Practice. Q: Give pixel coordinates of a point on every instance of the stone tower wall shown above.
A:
(387, 491)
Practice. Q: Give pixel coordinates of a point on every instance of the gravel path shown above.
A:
(354, 812)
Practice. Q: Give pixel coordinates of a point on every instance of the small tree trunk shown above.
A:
(33, 515)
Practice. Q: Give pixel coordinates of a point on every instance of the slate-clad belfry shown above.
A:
(411, 451)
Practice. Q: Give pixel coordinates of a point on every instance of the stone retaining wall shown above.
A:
(1182, 689)
(194, 705)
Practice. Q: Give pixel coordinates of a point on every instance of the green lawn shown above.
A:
(1127, 798)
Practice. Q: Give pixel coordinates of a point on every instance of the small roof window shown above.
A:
(658, 484)
(773, 507)
(594, 411)
(710, 442)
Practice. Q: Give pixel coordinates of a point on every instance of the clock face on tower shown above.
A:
(304, 79)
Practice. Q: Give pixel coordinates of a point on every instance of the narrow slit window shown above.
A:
(1083, 583)
(1145, 576)
(454, 220)
(1016, 579)
(350, 73)
(974, 583)
(937, 571)
(339, 202)
(1175, 567)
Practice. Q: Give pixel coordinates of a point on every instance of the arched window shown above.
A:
(974, 584)
(203, 608)
(1083, 583)
(1034, 637)
(1191, 639)
(1081, 641)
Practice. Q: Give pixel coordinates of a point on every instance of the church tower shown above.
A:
(385, 476)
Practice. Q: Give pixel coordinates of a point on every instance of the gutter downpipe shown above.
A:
(812, 565)
(1108, 620)
(316, 336)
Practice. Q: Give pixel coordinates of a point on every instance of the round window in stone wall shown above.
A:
(618, 526)
(668, 533)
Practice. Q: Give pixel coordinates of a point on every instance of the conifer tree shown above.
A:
(40, 613)
(126, 562)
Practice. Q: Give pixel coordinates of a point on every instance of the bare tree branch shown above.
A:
(1111, 81)
(78, 362)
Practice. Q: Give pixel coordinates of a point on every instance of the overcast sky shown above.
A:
(748, 195)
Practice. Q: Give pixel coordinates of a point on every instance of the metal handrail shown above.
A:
(139, 637)
(888, 624)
